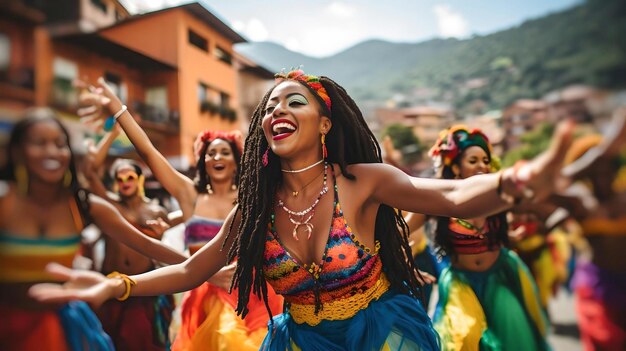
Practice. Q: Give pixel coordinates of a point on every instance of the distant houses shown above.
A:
(175, 68)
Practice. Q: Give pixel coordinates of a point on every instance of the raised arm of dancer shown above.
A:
(109, 219)
(94, 288)
(472, 197)
(612, 143)
(176, 183)
(94, 160)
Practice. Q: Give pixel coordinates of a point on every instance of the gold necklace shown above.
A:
(296, 192)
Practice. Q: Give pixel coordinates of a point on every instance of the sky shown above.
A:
(325, 27)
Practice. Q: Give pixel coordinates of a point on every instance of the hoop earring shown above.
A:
(67, 179)
(21, 178)
(141, 190)
(324, 149)
(266, 157)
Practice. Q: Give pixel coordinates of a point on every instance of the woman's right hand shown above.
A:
(97, 102)
(89, 286)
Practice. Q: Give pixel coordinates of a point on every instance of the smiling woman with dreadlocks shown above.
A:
(316, 220)
(487, 298)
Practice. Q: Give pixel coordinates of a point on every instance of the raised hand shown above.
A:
(159, 226)
(97, 102)
(536, 179)
(89, 286)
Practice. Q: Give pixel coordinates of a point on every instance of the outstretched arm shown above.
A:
(176, 183)
(94, 288)
(93, 163)
(109, 219)
(610, 147)
(477, 196)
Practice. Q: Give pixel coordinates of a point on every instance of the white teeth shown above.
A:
(284, 125)
(51, 165)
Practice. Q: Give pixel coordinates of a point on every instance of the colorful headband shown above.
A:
(208, 136)
(312, 82)
(453, 141)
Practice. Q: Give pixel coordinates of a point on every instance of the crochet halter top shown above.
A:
(347, 278)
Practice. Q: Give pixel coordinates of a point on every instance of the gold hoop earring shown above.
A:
(140, 186)
(67, 179)
(21, 178)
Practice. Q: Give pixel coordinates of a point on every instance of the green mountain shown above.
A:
(584, 44)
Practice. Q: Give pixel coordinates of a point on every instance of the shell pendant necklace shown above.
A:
(302, 218)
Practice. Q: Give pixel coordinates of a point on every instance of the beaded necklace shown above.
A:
(307, 214)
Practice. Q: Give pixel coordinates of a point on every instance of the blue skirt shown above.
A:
(394, 322)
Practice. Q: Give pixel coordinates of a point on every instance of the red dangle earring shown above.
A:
(324, 150)
(266, 157)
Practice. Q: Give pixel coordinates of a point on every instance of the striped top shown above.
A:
(23, 260)
(347, 267)
(199, 231)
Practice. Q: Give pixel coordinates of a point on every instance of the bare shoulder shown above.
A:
(372, 172)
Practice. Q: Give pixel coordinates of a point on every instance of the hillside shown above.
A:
(584, 44)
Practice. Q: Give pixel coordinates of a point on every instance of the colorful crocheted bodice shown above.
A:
(467, 239)
(199, 231)
(23, 260)
(348, 269)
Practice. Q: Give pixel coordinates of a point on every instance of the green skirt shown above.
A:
(498, 309)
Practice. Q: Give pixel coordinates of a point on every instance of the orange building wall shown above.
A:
(153, 35)
(197, 66)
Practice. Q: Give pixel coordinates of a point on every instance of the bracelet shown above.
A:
(128, 282)
(508, 198)
(119, 113)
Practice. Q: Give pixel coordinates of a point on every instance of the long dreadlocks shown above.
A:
(256, 181)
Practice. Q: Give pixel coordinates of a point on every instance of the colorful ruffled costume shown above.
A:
(139, 322)
(546, 257)
(29, 326)
(497, 309)
(208, 317)
(601, 294)
(359, 310)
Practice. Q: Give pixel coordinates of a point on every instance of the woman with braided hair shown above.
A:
(487, 298)
(43, 211)
(208, 318)
(315, 219)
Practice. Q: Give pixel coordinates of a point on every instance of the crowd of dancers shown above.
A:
(302, 238)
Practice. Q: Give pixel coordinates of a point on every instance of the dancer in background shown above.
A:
(140, 322)
(600, 279)
(42, 215)
(487, 298)
(316, 219)
(208, 318)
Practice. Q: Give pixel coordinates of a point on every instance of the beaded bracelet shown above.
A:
(128, 282)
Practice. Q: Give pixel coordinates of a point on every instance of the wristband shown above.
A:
(119, 113)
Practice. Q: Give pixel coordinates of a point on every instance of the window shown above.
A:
(63, 92)
(5, 52)
(100, 5)
(198, 41)
(224, 100)
(119, 88)
(157, 97)
(202, 92)
(223, 55)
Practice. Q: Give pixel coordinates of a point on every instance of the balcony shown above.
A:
(156, 118)
(18, 83)
(63, 95)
